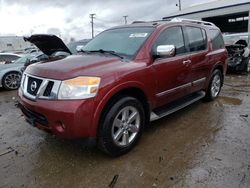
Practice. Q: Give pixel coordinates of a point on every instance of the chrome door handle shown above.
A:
(186, 62)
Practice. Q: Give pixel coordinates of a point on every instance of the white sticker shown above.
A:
(138, 35)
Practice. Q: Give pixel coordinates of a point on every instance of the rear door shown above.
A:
(197, 44)
(172, 73)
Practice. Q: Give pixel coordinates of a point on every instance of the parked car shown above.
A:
(232, 38)
(6, 58)
(125, 77)
(10, 74)
(57, 50)
(30, 50)
(238, 46)
(32, 58)
(76, 46)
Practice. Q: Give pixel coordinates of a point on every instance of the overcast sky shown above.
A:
(70, 18)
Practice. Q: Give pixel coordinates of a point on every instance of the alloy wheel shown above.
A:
(12, 80)
(216, 85)
(126, 126)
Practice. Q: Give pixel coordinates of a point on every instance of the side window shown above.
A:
(197, 38)
(172, 36)
(9, 57)
(216, 39)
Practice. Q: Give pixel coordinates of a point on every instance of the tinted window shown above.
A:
(11, 57)
(216, 39)
(197, 39)
(8, 58)
(172, 36)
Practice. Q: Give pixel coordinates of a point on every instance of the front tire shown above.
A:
(11, 80)
(121, 127)
(214, 86)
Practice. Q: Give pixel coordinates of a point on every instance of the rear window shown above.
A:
(216, 39)
(197, 38)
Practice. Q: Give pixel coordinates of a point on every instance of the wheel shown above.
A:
(11, 80)
(121, 127)
(214, 86)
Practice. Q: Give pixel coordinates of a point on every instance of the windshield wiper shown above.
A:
(104, 51)
(84, 51)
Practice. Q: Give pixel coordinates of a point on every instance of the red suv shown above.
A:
(124, 78)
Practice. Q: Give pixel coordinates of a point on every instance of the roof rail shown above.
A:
(190, 21)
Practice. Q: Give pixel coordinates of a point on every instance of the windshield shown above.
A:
(232, 39)
(24, 59)
(74, 47)
(123, 41)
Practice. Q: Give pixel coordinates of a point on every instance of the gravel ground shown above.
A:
(203, 145)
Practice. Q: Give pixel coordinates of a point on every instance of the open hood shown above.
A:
(48, 44)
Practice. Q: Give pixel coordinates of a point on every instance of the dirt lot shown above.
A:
(203, 145)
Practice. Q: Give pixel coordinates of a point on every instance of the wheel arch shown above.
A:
(220, 67)
(132, 91)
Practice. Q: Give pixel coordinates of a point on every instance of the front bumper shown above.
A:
(69, 119)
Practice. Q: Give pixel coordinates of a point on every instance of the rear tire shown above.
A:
(215, 85)
(121, 127)
(11, 80)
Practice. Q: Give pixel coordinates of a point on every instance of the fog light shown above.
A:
(60, 127)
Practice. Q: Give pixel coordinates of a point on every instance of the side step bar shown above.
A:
(175, 106)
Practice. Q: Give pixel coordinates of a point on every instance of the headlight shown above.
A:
(79, 88)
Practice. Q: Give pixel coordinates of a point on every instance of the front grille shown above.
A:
(39, 88)
(33, 85)
(48, 89)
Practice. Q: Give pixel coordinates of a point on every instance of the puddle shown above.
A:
(230, 100)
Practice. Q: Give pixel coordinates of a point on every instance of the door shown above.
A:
(197, 46)
(172, 73)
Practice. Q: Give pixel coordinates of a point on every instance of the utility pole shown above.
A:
(125, 19)
(92, 16)
(179, 5)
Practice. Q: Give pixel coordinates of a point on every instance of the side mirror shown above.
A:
(165, 51)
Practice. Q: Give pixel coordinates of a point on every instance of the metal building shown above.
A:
(13, 44)
(229, 15)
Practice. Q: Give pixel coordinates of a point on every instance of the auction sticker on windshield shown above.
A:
(138, 35)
